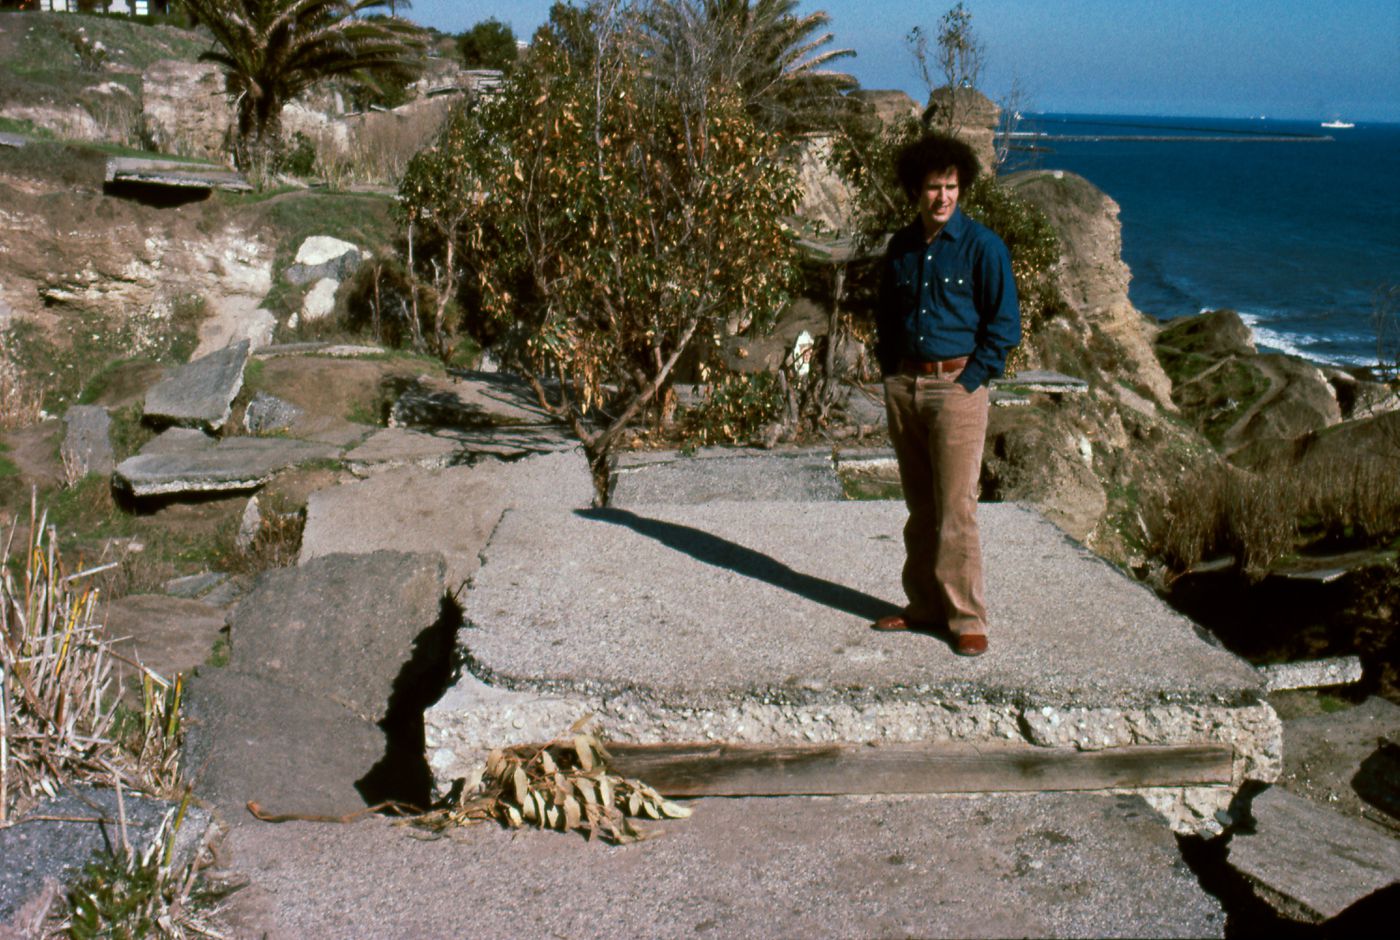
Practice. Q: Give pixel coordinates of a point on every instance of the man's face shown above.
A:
(937, 198)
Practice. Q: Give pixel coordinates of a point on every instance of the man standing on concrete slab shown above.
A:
(947, 318)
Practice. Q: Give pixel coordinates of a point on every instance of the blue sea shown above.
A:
(1294, 225)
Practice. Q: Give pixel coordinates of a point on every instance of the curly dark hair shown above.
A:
(934, 153)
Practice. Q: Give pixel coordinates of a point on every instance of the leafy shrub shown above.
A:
(736, 409)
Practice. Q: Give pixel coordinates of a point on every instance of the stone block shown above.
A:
(200, 394)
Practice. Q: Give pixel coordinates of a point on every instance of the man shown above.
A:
(947, 318)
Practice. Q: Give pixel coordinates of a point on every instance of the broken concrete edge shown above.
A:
(1312, 674)
(458, 739)
(240, 484)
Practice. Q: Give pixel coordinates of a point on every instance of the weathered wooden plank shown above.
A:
(687, 770)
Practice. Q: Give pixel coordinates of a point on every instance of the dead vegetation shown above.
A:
(61, 718)
(563, 785)
(1283, 509)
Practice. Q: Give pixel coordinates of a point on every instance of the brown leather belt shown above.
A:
(942, 367)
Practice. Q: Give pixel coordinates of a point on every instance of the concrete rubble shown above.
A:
(230, 465)
(87, 444)
(1309, 861)
(174, 174)
(200, 394)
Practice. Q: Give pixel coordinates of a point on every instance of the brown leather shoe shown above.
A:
(892, 622)
(970, 644)
(902, 621)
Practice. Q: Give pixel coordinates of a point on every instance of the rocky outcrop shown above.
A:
(1248, 404)
(1106, 337)
(185, 108)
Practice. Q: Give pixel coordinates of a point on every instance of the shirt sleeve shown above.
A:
(999, 315)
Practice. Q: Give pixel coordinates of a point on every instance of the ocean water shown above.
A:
(1295, 232)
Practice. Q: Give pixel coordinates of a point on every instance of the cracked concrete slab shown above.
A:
(750, 622)
(1027, 865)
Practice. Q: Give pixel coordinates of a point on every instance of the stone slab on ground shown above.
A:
(340, 627)
(166, 634)
(200, 393)
(1309, 861)
(1333, 760)
(291, 750)
(233, 464)
(178, 174)
(725, 474)
(178, 441)
(402, 447)
(470, 400)
(87, 444)
(750, 622)
(1041, 380)
(451, 511)
(35, 850)
(1062, 865)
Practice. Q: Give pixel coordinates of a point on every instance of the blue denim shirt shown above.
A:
(954, 296)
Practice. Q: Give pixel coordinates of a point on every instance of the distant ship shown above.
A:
(1337, 125)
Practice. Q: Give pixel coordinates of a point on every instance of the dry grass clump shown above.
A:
(21, 400)
(1261, 517)
(59, 713)
(380, 144)
(563, 785)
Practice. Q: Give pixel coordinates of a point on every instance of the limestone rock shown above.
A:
(185, 107)
(322, 256)
(200, 394)
(87, 446)
(766, 353)
(248, 526)
(1031, 457)
(319, 302)
(884, 107)
(1250, 405)
(826, 199)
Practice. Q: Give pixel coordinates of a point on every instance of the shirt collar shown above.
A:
(953, 228)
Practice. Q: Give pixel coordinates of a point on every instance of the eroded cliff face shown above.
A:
(89, 268)
(1105, 334)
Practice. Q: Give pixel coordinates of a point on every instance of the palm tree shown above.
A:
(273, 50)
(761, 49)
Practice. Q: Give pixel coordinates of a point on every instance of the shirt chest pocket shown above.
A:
(953, 282)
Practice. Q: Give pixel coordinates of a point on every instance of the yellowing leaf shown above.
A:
(584, 749)
(522, 786)
(674, 811)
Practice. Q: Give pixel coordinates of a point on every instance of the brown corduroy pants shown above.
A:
(938, 429)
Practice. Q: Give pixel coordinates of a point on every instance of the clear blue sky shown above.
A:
(1304, 59)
